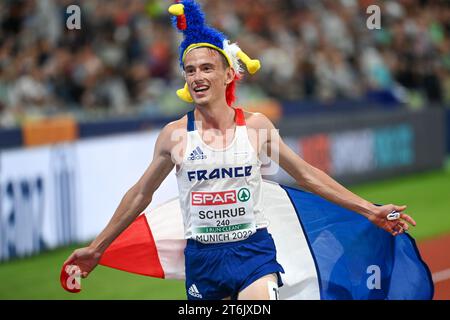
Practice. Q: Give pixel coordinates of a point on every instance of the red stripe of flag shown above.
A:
(134, 251)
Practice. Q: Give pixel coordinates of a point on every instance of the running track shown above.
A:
(436, 254)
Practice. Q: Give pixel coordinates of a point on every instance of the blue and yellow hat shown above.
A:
(190, 20)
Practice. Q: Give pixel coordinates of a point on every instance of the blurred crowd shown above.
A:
(123, 60)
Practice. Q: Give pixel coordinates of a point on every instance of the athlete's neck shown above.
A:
(220, 117)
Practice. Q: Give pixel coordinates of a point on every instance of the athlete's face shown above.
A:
(207, 76)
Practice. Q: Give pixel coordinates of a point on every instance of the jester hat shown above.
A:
(189, 19)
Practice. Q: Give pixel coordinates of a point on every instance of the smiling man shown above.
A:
(217, 150)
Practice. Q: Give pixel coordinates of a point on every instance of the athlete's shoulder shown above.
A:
(257, 120)
(176, 125)
(171, 134)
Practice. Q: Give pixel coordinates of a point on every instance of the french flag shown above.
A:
(327, 252)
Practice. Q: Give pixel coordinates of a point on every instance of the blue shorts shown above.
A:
(217, 271)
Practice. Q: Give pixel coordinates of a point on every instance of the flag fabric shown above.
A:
(327, 252)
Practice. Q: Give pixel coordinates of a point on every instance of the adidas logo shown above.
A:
(197, 154)
(193, 291)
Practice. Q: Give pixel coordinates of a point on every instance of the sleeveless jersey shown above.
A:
(220, 190)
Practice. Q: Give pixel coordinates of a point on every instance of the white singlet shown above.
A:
(220, 189)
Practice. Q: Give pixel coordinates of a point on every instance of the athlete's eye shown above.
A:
(189, 71)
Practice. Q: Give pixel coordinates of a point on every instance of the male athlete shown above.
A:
(216, 150)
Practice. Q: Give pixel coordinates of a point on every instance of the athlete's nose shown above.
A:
(197, 80)
(197, 76)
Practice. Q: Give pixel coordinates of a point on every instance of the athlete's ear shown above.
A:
(229, 73)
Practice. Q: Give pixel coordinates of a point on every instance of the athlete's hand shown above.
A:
(85, 258)
(396, 226)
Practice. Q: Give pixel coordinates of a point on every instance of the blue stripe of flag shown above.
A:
(354, 258)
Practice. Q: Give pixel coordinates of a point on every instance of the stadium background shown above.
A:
(80, 109)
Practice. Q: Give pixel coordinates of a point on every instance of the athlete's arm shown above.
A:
(135, 200)
(318, 182)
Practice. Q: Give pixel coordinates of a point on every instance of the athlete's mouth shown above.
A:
(202, 88)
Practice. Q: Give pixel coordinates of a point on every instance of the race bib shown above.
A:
(222, 216)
